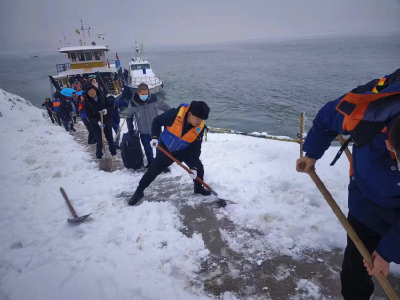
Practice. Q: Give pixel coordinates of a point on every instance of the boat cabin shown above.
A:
(85, 61)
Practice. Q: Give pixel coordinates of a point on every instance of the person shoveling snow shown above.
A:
(182, 137)
(370, 114)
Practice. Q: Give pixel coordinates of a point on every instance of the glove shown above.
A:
(104, 112)
(154, 143)
(194, 175)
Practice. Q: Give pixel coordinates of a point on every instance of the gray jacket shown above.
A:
(145, 113)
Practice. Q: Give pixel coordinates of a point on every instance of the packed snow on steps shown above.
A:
(139, 253)
(119, 253)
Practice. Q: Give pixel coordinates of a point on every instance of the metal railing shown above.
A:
(62, 67)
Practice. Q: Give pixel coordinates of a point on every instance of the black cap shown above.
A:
(199, 109)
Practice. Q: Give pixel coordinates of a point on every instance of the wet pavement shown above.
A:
(258, 275)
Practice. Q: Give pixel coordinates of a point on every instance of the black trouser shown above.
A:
(58, 119)
(50, 115)
(356, 283)
(74, 119)
(68, 124)
(89, 129)
(162, 161)
(108, 135)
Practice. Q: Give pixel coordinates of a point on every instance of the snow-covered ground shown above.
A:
(121, 253)
(125, 252)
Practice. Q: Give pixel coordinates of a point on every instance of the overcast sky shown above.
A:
(38, 24)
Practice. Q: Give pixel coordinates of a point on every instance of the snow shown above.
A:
(139, 252)
(119, 253)
(307, 290)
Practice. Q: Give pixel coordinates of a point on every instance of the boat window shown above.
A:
(140, 67)
(73, 56)
(97, 55)
(88, 55)
(81, 56)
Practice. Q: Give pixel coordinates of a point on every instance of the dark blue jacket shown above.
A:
(64, 110)
(167, 119)
(374, 192)
(114, 111)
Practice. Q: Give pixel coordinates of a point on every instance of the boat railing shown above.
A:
(62, 67)
(135, 81)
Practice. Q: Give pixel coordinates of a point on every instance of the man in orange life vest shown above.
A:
(370, 115)
(182, 137)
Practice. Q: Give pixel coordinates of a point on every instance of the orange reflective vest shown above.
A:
(56, 104)
(172, 135)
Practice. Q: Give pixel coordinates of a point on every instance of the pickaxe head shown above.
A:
(78, 219)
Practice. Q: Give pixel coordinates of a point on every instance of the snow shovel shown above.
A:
(350, 231)
(222, 202)
(106, 162)
(76, 219)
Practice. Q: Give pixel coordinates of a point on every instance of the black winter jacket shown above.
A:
(48, 106)
(92, 107)
(64, 110)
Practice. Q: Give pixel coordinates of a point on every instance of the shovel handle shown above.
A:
(350, 230)
(120, 128)
(68, 202)
(186, 168)
(102, 131)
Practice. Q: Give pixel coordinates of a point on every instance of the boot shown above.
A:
(136, 199)
(199, 189)
(166, 170)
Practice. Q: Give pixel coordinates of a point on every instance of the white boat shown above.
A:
(87, 61)
(140, 71)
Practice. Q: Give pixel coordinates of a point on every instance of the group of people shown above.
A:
(182, 136)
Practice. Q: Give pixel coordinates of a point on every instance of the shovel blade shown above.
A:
(223, 202)
(106, 164)
(79, 219)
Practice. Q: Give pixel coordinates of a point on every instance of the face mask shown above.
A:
(144, 97)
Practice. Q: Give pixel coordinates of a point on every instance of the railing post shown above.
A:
(302, 116)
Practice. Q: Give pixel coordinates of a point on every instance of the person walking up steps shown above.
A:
(56, 102)
(182, 137)
(49, 107)
(91, 138)
(64, 113)
(144, 107)
(94, 103)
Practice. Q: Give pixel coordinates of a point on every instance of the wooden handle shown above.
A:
(120, 128)
(184, 167)
(102, 132)
(350, 230)
(347, 151)
(68, 203)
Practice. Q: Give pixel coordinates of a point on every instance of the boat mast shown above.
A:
(83, 32)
